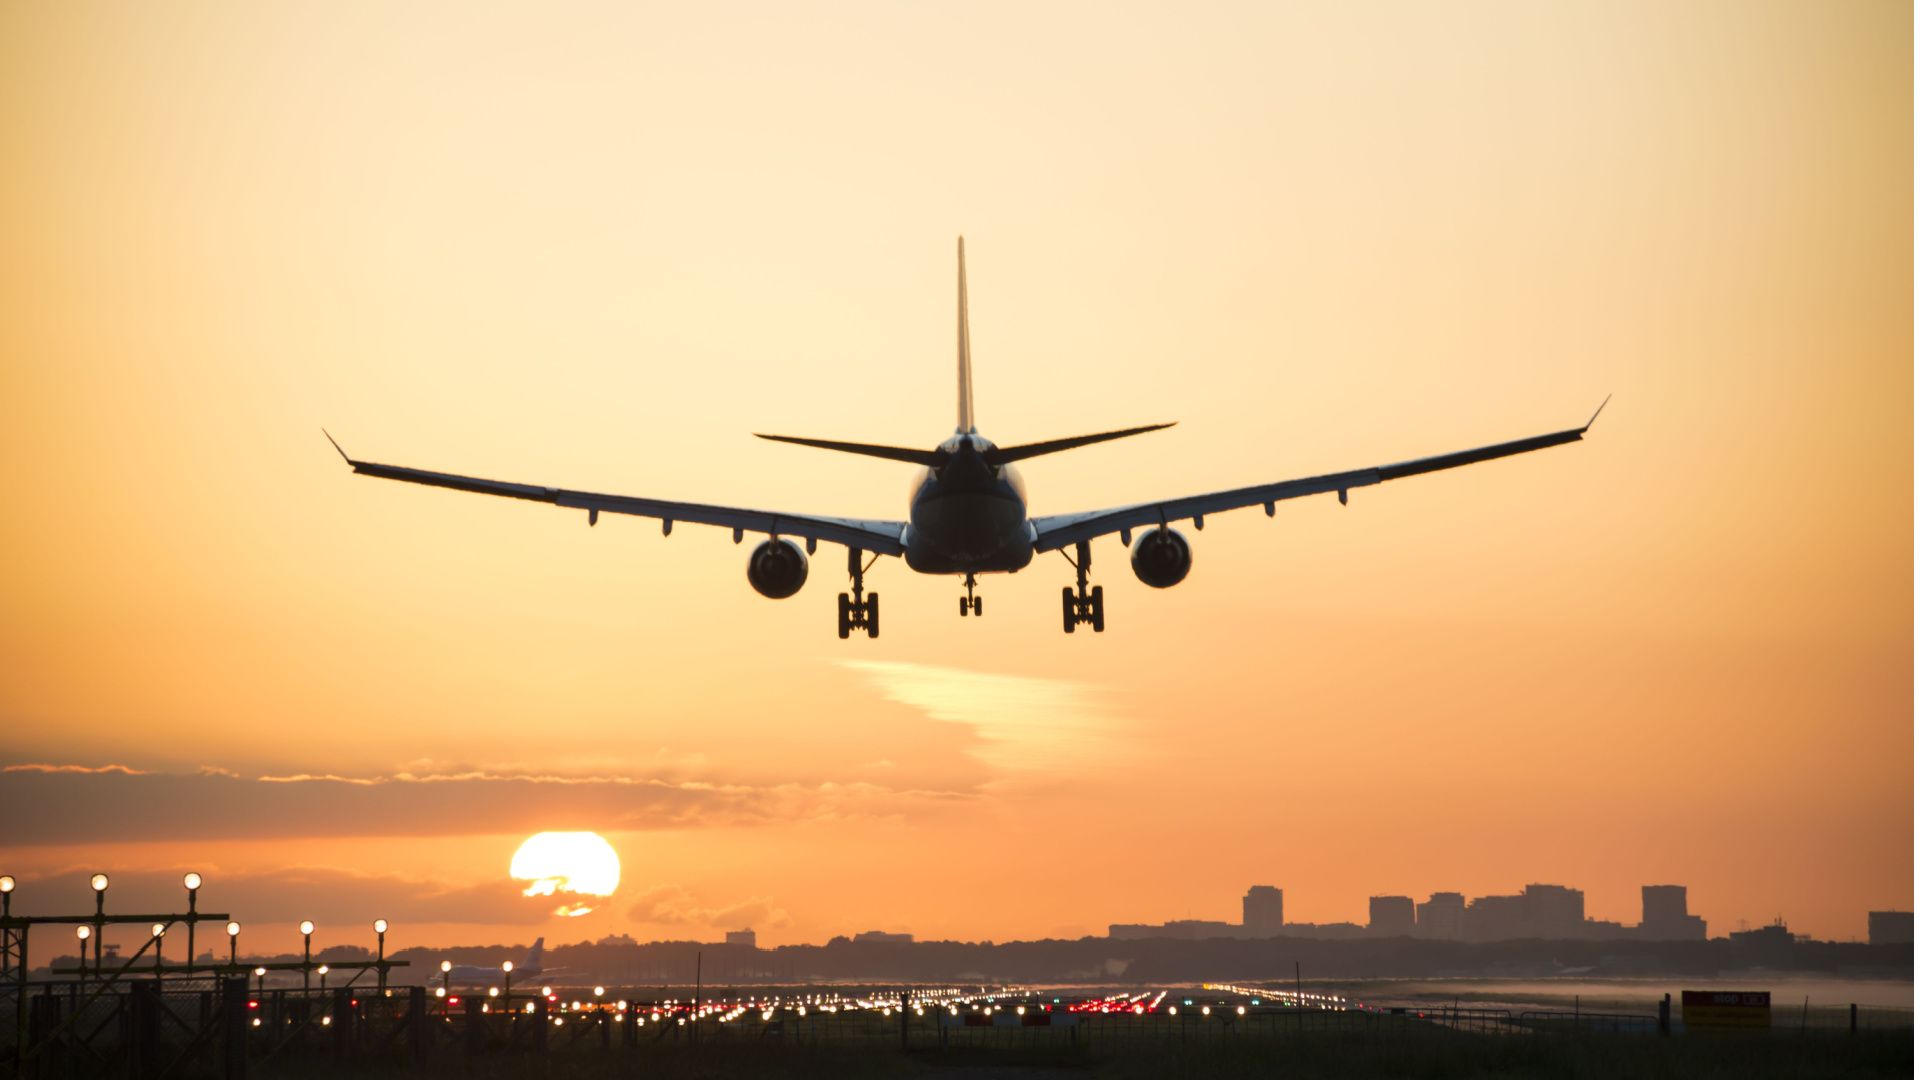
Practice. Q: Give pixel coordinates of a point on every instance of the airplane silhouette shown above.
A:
(525, 969)
(968, 513)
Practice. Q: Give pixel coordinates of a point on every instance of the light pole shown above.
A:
(233, 944)
(83, 932)
(192, 881)
(261, 974)
(306, 955)
(99, 883)
(6, 912)
(446, 983)
(380, 932)
(506, 982)
(159, 931)
(323, 977)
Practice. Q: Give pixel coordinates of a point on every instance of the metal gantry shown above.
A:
(38, 1021)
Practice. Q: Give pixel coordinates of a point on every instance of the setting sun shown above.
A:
(580, 864)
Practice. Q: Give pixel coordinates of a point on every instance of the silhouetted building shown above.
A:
(1390, 916)
(1662, 904)
(1769, 946)
(1178, 929)
(1263, 911)
(1494, 918)
(743, 938)
(882, 937)
(1889, 927)
(1663, 915)
(1443, 916)
(1554, 912)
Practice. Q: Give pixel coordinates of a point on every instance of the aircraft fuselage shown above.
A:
(968, 516)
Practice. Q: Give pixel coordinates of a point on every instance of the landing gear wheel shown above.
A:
(1078, 604)
(860, 611)
(976, 605)
(965, 607)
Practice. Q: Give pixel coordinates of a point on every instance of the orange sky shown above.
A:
(599, 247)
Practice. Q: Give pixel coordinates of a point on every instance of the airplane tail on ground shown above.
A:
(532, 962)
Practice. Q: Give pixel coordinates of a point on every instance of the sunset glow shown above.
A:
(598, 246)
(567, 864)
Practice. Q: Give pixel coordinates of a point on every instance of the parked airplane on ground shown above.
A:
(526, 969)
(968, 514)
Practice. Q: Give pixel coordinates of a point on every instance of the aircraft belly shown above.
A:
(972, 531)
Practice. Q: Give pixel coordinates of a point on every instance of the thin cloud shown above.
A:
(49, 806)
(671, 905)
(1020, 723)
(84, 769)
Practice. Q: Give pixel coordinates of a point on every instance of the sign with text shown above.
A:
(1720, 1010)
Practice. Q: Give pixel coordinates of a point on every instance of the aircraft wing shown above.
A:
(1062, 530)
(881, 537)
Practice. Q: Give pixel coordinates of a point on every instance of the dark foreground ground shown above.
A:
(1440, 1055)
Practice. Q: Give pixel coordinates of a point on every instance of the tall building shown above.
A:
(1663, 915)
(1263, 911)
(1443, 916)
(1494, 918)
(1554, 912)
(743, 938)
(1890, 927)
(1390, 916)
(1662, 904)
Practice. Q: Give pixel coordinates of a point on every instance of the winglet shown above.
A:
(336, 447)
(1596, 414)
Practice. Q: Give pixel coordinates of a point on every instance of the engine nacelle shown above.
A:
(777, 569)
(1161, 558)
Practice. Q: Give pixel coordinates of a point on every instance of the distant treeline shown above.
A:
(1098, 959)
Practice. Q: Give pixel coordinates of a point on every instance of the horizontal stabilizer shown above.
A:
(891, 453)
(1000, 455)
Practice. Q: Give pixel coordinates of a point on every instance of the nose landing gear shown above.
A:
(969, 604)
(1078, 604)
(861, 611)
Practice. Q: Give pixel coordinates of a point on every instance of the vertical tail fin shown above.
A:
(966, 349)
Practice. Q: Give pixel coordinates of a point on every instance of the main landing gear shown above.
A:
(861, 611)
(969, 604)
(1078, 604)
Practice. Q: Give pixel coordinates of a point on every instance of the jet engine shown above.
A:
(777, 569)
(1161, 558)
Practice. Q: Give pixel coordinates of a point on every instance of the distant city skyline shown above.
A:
(1538, 911)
